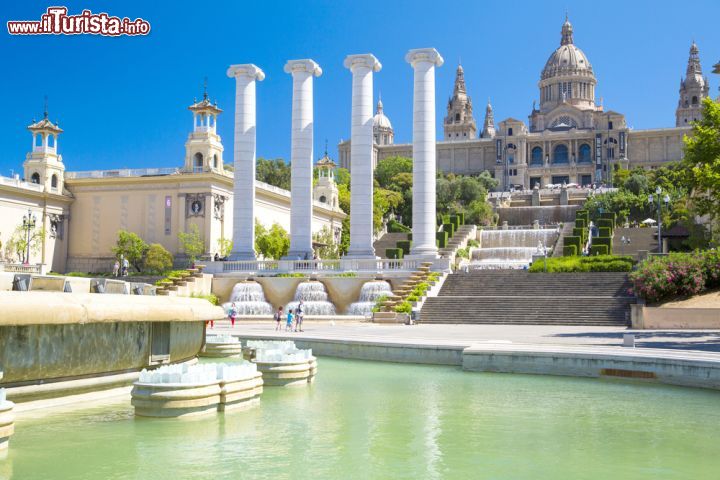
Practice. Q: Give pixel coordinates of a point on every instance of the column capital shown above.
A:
(429, 55)
(303, 66)
(246, 69)
(367, 60)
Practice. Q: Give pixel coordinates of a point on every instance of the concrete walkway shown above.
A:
(466, 335)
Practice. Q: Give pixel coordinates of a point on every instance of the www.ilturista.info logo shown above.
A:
(57, 22)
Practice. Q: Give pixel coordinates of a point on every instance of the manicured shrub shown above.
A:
(600, 263)
(605, 222)
(581, 232)
(396, 227)
(569, 250)
(403, 307)
(581, 223)
(410, 236)
(461, 217)
(394, 253)
(603, 241)
(455, 220)
(441, 238)
(604, 232)
(404, 245)
(449, 228)
(598, 250)
(576, 241)
(583, 215)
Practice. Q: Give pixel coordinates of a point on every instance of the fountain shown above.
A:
(369, 295)
(500, 249)
(221, 346)
(188, 390)
(314, 297)
(249, 299)
(282, 363)
(7, 420)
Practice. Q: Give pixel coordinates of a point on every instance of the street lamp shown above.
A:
(28, 225)
(666, 201)
(625, 241)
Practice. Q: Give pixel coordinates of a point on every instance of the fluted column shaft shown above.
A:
(244, 161)
(361, 155)
(424, 62)
(301, 157)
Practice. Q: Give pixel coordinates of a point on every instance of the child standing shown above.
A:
(278, 318)
(288, 325)
(232, 314)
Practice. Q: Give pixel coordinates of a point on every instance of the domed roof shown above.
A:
(380, 120)
(567, 59)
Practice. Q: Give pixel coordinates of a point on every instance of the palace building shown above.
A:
(569, 136)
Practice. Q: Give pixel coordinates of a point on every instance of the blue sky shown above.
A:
(123, 101)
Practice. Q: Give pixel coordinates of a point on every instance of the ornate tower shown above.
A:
(204, 149)
(459, 124)
(383, 133)
(693, 89)
(42, 164)
(488, 130)
(326, 190)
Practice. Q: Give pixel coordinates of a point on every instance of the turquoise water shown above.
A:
(382, 420)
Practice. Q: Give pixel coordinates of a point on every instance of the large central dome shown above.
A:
(568, 76)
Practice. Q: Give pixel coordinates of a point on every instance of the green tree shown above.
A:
(479, 212)
(342, 176)
(157, 259)
(387, 168)
(273, 243)
(192, 243)
(637, 183)
(275, 172)
(130, 246)
(384, 201)
(702, 160)
(225, 246)
(17, 245)
(329, 249)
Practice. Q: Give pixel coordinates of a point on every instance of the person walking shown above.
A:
(125, 267)
(232, 314)
(289, 324)
(278, 318)
(116, 269)
(299, 314)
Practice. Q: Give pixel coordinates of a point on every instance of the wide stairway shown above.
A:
(389, 240)
(518, 297)
(640, 239)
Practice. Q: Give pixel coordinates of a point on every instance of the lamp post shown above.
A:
(625, 241)
(28, 225)
(666, 201)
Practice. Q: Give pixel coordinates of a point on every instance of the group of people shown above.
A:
(293, 318)
(121, 267)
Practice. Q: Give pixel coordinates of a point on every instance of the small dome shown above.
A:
(380, 120)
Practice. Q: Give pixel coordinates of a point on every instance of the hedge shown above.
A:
(580, 232)
(605, 232)
(461, 216)
(581, 223)
(603, 241)
(575, 241)
(404, 245)
(441, 238)
(455, 220)
(598, 250)
(449, 228)
(606, 222)
(569, 250)
(601, 263)
(394, 253)
(396, 227)
(410, 236)
(582, 215)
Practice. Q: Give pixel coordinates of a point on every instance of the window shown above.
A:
(510, 132)
(457, 117)
(35, 178)
(610, 125)
(323, 199)
(51, 141)
(585, 153)
(198, 163)
(159, 342)
(694, 100)
(563, 121)
(215, 161)
(536, 156)
(560, 155)
(53, 181)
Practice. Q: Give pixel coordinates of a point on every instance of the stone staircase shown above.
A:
(640, 239)
(566, 230)
(389, 240)
(522, 298)
(458, 240)
(401, 293)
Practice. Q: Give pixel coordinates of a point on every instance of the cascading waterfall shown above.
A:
(510, 248)
(249, 299)
(369, 293)
(314, 298)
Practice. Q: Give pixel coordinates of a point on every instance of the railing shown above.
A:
(16, 182)
(125, 172)
(21, 268)
(314, 266)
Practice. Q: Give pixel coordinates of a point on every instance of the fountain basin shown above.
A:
(175, 399)
(221, 346)
(240, 393)
(288, 374)
(7, 421)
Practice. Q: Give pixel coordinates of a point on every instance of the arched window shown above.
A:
(53, 181)
(694, 100)
(323, 199)
(560, 154)
(457, 117)
(198, 163)
(35, 178)
(215, 161)
(536, 156)
(584, 153)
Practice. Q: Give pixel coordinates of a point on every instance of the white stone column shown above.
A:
(361, 153)
(301, 158)
(424, 61)
(244, 162)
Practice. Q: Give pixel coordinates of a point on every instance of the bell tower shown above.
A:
(459, 124)
(43, 165)
(693, 89)
(326, 190)
(203, 148)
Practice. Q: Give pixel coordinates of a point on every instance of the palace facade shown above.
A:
(569, 137)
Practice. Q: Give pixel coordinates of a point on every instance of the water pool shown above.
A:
(383, 420)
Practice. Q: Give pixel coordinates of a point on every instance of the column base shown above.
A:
(428, 254)
(240, 256)
(298, 255)
(361, 254)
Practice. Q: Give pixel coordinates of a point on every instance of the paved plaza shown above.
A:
(466, 335)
